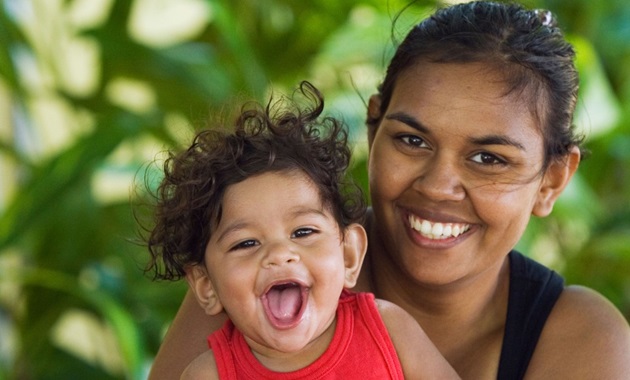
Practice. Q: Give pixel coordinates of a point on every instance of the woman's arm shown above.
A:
(185, 339)
(585, 337)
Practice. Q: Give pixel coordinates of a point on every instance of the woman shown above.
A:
(469, 135)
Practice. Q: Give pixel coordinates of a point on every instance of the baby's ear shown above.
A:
(201, 285)
(354, 248)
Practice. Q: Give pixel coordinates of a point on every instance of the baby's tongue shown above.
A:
(284, 302)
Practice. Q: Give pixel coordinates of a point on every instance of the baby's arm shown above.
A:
(419, 357)
(202, 368)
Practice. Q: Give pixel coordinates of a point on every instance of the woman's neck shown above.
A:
(456, 316)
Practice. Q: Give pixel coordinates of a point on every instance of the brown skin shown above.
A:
(435, 130)
(457, 289)
(185, 339)
(445, 171)
(418, 356)
(298, 239)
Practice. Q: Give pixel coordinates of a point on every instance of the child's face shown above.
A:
(277, 263)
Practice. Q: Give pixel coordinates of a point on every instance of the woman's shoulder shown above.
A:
(585, 336)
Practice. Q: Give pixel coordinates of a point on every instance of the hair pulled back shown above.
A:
(275, 138)
(525, 46)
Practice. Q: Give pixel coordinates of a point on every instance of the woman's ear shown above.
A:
(373, 116)
(201, 285)
(555, 179)
(354, 248)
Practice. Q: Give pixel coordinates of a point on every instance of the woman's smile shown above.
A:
(437, 230)
(453, 171)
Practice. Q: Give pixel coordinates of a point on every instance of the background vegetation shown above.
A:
(93, 90)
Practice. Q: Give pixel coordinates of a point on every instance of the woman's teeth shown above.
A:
(437, 230)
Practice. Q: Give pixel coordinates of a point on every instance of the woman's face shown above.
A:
(454, 171)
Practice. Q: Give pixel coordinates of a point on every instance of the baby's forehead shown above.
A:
(299, 193)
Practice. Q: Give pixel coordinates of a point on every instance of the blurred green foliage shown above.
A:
(92, 91)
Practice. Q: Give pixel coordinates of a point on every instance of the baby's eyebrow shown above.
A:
(297, 211)
(305, 211)
(231, 229)
(238, 225)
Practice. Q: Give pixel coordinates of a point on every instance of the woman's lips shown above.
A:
(437, 230)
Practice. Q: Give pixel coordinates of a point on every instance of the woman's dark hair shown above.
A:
(525, 46)
(274, 138)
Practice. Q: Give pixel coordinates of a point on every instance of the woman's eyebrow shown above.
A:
(408, 120)
(497, 140)
(483, 140)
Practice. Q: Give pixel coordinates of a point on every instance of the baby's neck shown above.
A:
(279, 361)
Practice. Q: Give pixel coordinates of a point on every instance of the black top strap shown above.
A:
(534, 290)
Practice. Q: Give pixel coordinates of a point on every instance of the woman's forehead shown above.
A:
(475, 80)
(463, 98)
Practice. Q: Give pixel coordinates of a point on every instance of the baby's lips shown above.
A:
(284, 303)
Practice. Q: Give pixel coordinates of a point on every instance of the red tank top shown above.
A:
(360, 348)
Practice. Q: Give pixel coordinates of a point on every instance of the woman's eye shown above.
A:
(244, 244)
(487, 159)
(302, 232)
(412, 140)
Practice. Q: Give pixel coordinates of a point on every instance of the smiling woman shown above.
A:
(473, 161)
(482, 138)
(471, 130)
(87, 99)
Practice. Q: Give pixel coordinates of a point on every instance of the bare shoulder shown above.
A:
(585, 337)
(202, 368)
(399, 323)
(419, 357)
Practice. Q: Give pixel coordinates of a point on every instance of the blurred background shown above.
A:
(92, 92)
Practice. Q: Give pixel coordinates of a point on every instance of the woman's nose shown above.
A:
(440, 179)
(279, 253)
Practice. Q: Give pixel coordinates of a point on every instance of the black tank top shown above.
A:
(534, 290)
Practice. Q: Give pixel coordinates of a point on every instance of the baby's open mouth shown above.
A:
(284, 304)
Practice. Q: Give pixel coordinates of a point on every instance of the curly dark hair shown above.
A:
(277, 138)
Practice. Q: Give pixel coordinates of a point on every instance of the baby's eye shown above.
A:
(412, 140)
(244, 244)
(303, 232)
(487, 159)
